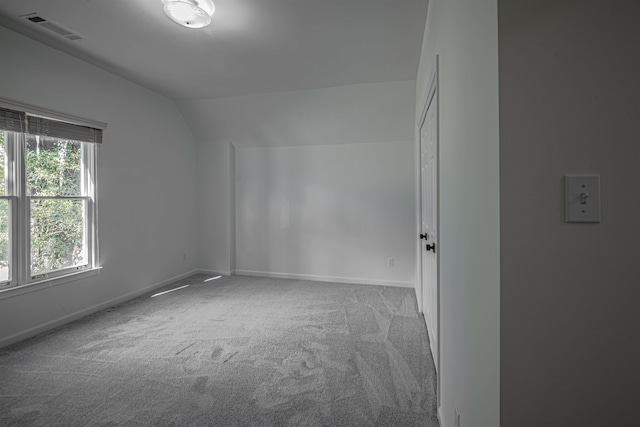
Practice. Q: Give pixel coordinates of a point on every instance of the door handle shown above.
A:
(431, 248)
(424, 236)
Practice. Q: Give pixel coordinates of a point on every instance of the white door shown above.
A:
(429, 220)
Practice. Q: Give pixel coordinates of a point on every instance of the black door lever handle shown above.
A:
(431, 248)
(424, 236)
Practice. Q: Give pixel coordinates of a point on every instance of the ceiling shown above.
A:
(251, 47)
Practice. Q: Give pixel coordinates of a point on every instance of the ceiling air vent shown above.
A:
(51, 26)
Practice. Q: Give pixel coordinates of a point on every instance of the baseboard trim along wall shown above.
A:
(348, 280)
(216, 272)
(11, 339)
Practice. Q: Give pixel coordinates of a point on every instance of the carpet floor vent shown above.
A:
(52, 26)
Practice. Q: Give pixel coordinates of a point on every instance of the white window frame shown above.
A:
(21, 277)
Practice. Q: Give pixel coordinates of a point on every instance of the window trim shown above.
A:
(88, 162)
(27, 288)
(21, 280)
(20, 215)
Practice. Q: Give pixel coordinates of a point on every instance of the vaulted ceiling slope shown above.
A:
(251, 47)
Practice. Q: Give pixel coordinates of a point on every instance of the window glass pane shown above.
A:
(3, 179)
(53, 167)
(5, 244)
(58, 237)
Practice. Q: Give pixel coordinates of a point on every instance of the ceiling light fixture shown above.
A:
(189, 13)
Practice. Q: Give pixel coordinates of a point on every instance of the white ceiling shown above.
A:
(251, 47)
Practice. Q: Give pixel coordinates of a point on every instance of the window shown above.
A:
(48, 218)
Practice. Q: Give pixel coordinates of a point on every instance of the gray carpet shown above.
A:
(237, 351)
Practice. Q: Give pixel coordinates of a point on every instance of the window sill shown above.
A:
(45, 283)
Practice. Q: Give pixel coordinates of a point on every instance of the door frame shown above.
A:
(432, 96)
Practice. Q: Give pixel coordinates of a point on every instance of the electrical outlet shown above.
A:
(391, 262)
(456, 417)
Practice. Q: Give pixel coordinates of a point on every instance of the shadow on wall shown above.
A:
(327, 211)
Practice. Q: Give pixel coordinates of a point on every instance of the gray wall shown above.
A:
(569, 103)
(464, 34)
(327, 212)
(146, 183)
(360, 114)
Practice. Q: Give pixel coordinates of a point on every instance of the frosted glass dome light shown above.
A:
(190, 13)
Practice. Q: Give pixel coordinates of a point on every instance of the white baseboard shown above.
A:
(349, 280)
(11, 339)
(215, 272)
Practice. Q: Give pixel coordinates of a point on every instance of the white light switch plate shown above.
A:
(582, 198)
